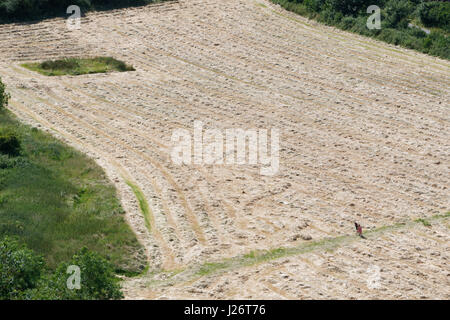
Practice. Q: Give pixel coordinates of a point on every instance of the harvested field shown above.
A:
(363, 132)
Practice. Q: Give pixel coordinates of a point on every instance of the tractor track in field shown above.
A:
(364, 136)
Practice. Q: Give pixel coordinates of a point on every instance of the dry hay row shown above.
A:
(166, 69)
(262, 47)
(303, 170)
(404, 121)
(359, 101)
(243, 33)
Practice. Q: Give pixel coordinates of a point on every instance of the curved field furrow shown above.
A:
(262, 51)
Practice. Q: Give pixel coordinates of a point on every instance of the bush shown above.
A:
(439, 44)
(396, 13)
(9, 143)
(347, 23)
(392, 36)
(314, 5)
(349, 7)
(20, 269)
(4, 97)
(23, 276)
(98, 281)
(435, 14)
(330, 17)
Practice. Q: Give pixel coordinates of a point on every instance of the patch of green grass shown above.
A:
(57, 201)
(211, 267)
(259, 256)
(143, 204)
(424, 222)
(327, 244)
(445, 215)
(78, 66)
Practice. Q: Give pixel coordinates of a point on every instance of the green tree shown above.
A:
(20, 268)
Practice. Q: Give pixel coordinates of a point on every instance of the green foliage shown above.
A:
(349, 7)
(4, 96)
(20, 268)
(9, 142)
(396, 13)
(7, 162)
(78, 66)
(347, 23)
(60, 64)
(426, 223)
(23, 275)
(314, 5)
(97, 281)
(438, 44)
(435, 14)
(330, 16)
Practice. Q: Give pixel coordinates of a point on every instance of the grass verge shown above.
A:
(78, 66)
(143, 204)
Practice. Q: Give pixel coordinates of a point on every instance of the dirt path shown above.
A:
(364, 136)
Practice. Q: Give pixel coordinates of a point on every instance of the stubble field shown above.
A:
(363, 137)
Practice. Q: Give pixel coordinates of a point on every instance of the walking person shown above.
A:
(359, 230)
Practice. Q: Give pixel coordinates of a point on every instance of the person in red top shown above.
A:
(359, 230)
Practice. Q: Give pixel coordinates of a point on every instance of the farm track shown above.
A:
(364, 134)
